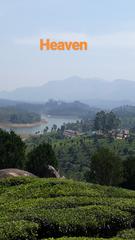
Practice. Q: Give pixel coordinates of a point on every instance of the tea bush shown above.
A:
(33, 208)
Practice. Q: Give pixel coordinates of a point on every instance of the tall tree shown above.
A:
(129, 173)
(12, 150)
(106, 121)
(39, 159)
(106, 168)
(100, 120)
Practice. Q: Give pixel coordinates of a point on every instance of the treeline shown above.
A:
(14, 155)
(127, 116)
(99, 164)
(104, 121)
(17, 115)
(94, 159)
(107, 168)
(61, 108)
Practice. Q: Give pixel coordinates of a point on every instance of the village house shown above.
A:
(71, 133)
(122, 134)
(115, 133)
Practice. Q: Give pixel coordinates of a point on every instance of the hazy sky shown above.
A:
(108, 26)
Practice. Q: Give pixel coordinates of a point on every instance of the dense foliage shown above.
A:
(74, 154)
(32, 208)
(127, 116)
(12, 150)
(17, 115)
(39, 158)
(106, 121)
(13, 154)
(106, 168)
(60, 108)
(129, 172)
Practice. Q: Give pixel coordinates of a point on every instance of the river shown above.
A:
(58, 120)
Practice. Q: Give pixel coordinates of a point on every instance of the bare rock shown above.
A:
(52, 172)
(14, 172)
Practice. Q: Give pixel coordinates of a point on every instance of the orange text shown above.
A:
(61, 46)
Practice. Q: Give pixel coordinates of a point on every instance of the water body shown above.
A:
(58, 120)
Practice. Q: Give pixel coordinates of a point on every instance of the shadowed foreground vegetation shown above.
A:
(32, 208)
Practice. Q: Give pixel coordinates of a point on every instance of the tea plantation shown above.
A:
(33, 208)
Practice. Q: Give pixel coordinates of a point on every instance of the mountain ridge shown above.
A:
(76, 88)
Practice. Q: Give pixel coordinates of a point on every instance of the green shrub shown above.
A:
(34, 208)
(82, 238)
(16, 230)
(127, 234)
(10, 181)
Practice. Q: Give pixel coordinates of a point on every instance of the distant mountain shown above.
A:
(125, 111)
(6, 102)
(92, 91)
(107, 104)
(126, 114)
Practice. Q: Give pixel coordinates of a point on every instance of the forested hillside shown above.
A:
(17, 115)
(127, 116)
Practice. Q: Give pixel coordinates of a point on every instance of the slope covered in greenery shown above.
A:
(33, 208)
(17, 115)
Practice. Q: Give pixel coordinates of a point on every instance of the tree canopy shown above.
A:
(39, 158)
(12, 150)
(129, 172)
(106, 121)
(105, 168)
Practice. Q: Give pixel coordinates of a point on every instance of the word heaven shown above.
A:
(61, 46)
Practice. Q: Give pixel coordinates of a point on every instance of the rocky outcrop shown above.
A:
(14, 172)
(50, 172)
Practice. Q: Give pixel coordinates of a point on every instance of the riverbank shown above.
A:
(22, 125)
(36, 128)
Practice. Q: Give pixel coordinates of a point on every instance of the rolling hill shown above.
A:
(33, 209)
